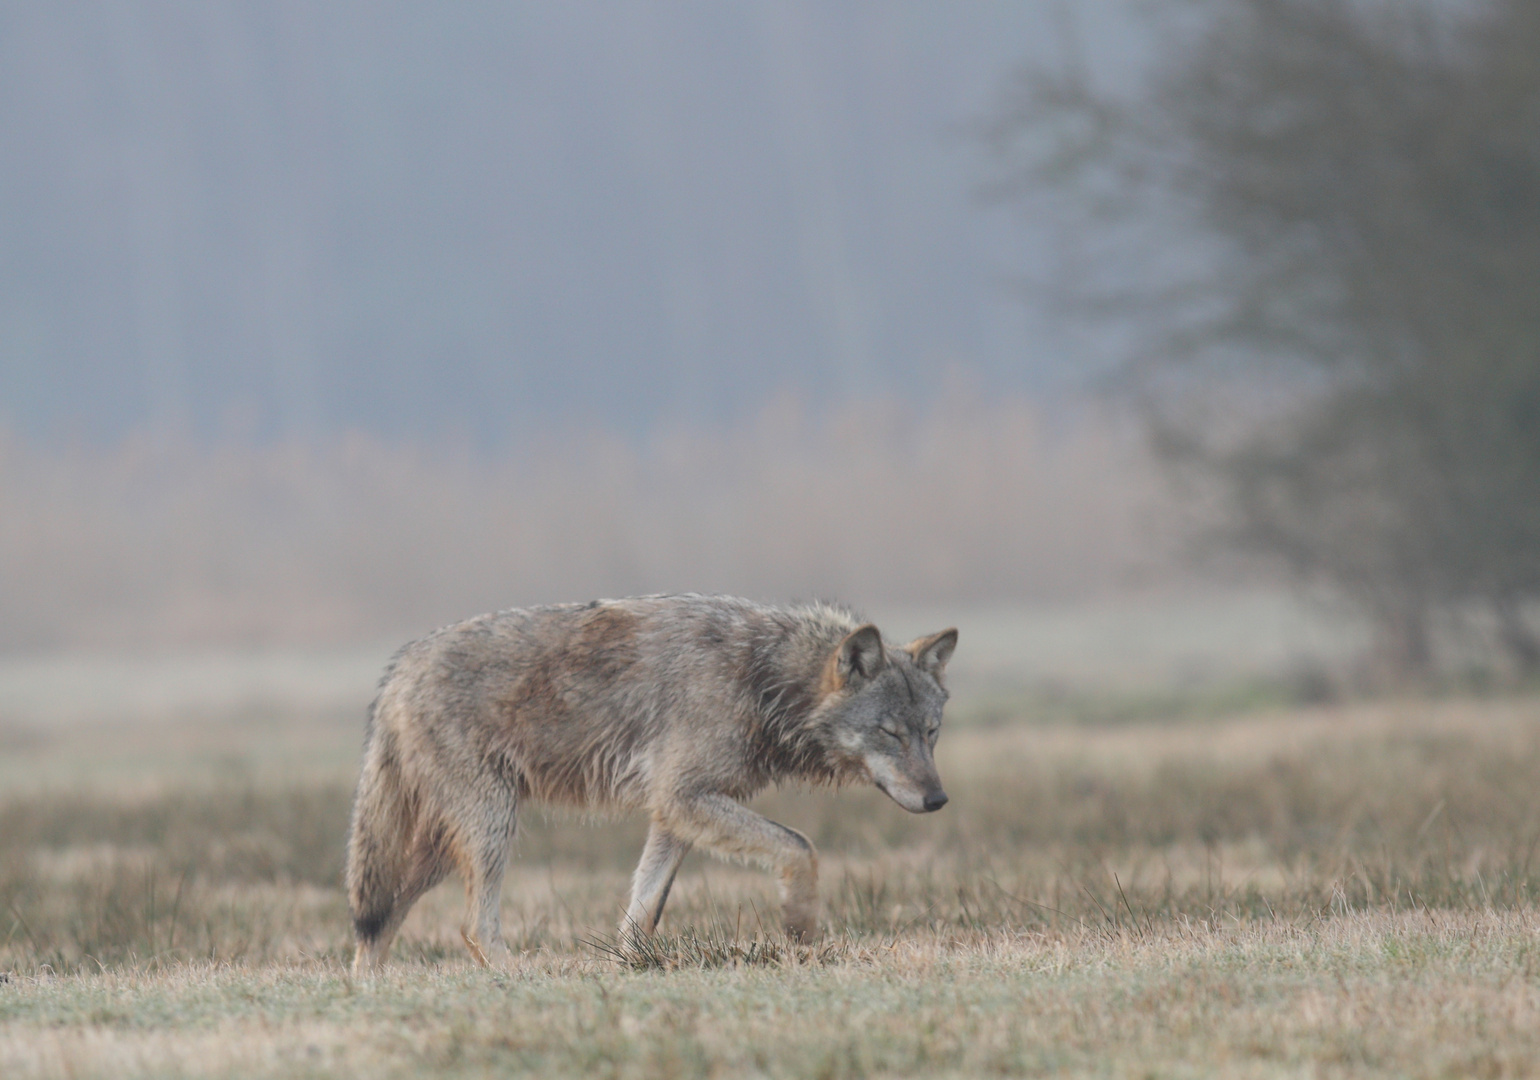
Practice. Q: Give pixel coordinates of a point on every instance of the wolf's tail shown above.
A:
(379, 839)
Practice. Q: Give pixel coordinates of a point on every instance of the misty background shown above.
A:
(1195, 337)
(332, 322)
(472, 221)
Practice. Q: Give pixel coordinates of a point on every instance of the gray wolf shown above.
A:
(677, 706)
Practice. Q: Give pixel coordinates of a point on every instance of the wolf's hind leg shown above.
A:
(652, 881)
(719, 823)
(486, 849)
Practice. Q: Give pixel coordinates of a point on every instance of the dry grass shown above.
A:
(1339, 891)
(1411, 994)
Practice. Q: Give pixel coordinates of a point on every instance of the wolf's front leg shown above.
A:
(719, 823)
(654, 877)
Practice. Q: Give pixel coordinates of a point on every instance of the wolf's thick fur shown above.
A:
(680, 706)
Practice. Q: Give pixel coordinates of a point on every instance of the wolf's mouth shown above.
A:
(926, 803)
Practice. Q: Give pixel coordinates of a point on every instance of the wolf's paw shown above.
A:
(495, 954)
(801, 925)
(632, 943)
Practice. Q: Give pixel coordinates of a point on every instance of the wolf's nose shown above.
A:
(935, 801)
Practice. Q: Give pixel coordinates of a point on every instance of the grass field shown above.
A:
(1329, 891)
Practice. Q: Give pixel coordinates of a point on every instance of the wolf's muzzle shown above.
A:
(935, 800)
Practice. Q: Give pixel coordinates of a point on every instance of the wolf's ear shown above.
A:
(931, 653)
(860, 655)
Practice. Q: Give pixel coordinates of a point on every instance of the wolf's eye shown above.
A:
(890, 733)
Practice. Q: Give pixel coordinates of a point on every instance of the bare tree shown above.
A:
(1322, 218)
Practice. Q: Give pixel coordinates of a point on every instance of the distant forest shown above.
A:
(467, 220)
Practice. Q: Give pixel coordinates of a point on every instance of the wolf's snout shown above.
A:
(935, 800)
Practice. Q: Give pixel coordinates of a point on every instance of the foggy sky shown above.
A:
(480, 218)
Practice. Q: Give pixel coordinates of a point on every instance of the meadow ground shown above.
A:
(1342, 890)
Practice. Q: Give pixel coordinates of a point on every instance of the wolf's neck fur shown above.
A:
(786, 670)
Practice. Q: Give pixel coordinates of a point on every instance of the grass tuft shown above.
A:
(714, 943)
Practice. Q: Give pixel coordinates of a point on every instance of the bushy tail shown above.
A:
(378, 843)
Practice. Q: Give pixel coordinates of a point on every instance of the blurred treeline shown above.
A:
(1318, 225)
(425, 220)
(156, 541)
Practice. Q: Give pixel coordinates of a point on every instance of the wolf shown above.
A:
(680, 707)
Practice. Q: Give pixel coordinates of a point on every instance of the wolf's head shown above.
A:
(888, 712)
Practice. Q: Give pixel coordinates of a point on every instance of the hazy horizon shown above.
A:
(279, 219)
(326, 322)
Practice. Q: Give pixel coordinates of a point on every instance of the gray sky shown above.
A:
(474, 219)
